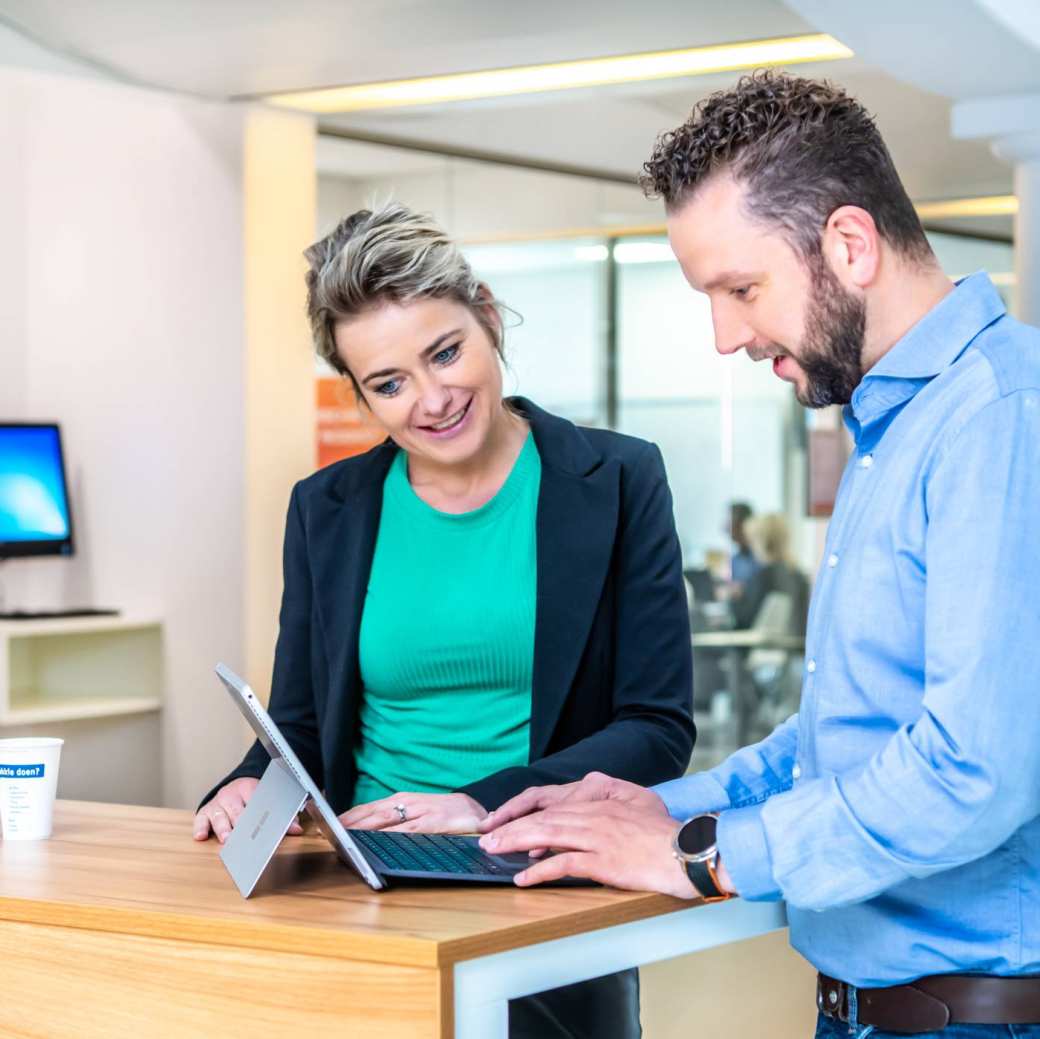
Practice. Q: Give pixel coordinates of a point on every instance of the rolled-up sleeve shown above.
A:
(747, 777)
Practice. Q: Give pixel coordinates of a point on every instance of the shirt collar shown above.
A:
(930, 347)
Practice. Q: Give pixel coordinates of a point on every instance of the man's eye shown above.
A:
(742, 292)
(447, 355)
(388, 388)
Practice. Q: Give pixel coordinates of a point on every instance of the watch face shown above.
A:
(697, 835)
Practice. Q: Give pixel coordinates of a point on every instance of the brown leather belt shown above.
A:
(930, 1004)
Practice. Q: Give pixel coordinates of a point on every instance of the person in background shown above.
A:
(489, 599)
(743, 563)
(770, 542)
(898, 813)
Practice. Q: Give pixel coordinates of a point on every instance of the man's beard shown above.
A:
(831, 351)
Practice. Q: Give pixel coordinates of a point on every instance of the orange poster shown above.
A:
(341, 430)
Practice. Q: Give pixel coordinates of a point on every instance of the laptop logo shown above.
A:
(259, 826)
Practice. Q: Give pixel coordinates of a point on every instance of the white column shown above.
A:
(1012, 123)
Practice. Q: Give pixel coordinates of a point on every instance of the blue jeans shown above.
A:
(830, 1029)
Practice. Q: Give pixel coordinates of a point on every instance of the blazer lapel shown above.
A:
(576, 525)
(343, 539)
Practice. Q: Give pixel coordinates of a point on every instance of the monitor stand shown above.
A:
(260, 828)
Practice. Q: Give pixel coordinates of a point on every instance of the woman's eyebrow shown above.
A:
(431, 349)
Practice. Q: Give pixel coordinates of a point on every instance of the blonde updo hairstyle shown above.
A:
(389, 254)
(769, 537)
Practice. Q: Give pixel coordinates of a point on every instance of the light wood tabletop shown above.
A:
(142, 927)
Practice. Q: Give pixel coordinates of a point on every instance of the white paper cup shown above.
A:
(28, 784)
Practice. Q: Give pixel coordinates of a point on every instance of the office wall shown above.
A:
(122, 317)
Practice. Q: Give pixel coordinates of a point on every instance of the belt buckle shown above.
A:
(832, 998)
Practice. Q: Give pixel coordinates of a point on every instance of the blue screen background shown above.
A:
(32, 495)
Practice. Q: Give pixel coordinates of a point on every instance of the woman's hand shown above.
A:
(423, 813)
(221, 813)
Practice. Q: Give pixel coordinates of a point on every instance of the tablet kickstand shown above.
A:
(260, 828)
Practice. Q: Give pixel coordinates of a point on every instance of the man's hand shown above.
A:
(423, 813)
(611, 842)
(594, 787)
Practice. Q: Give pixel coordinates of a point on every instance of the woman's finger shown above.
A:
(200, 828)
(220, 821)
(360, 812)
(234, 806)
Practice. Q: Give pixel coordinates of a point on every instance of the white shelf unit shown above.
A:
(79, 667)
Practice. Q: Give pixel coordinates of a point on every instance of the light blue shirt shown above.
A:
(897, 813)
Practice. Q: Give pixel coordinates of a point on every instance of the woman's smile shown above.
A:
(452, 426)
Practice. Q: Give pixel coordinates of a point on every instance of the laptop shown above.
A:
(375, 855)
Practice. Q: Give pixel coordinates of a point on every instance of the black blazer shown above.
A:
(612, 681)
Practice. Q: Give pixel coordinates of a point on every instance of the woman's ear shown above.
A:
(489, 315)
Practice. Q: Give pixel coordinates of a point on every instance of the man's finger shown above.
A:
(545, 830)
(533, 799)
(200, 829)
(566, 864)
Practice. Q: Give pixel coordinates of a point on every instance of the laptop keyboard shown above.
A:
(427, 853)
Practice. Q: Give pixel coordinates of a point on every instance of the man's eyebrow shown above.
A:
(427, 352)
(731, 278)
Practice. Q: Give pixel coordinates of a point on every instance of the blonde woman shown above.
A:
(491, 599)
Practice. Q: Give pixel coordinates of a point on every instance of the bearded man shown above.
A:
(897, 812)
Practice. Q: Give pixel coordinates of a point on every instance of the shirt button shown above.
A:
(832, 561)
(866, 461)
(811, 666)
(796, 772)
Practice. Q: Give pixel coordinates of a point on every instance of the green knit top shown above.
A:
(447, 638)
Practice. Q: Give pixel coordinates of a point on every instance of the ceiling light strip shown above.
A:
(567, 75)
(984, 205)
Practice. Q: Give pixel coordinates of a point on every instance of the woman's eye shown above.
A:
(447, 355)
(742, 292)
(388, 388)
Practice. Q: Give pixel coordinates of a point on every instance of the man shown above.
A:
(743, 564)
(897, 812)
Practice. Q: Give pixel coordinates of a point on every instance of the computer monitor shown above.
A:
(35, 519)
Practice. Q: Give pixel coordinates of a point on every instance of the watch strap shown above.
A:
(702, 879)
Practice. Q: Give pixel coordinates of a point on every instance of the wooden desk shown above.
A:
(122, 924)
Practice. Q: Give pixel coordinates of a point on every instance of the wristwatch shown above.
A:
(694, 846)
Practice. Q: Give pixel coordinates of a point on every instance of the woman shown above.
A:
(489, 600)
(770, 541)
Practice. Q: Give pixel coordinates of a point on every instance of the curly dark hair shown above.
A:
(801, 147)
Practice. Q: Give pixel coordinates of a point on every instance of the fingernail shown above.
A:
(489, 841)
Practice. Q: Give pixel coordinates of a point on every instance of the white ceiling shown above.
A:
(230, 48)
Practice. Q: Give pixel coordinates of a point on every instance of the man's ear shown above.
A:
(852, 247)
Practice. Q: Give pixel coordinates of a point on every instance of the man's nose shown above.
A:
(731, 333)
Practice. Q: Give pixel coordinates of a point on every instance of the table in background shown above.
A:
(122, 924)
(736, 643)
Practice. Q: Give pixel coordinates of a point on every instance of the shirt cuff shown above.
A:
(691, 795)
(744, 852)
